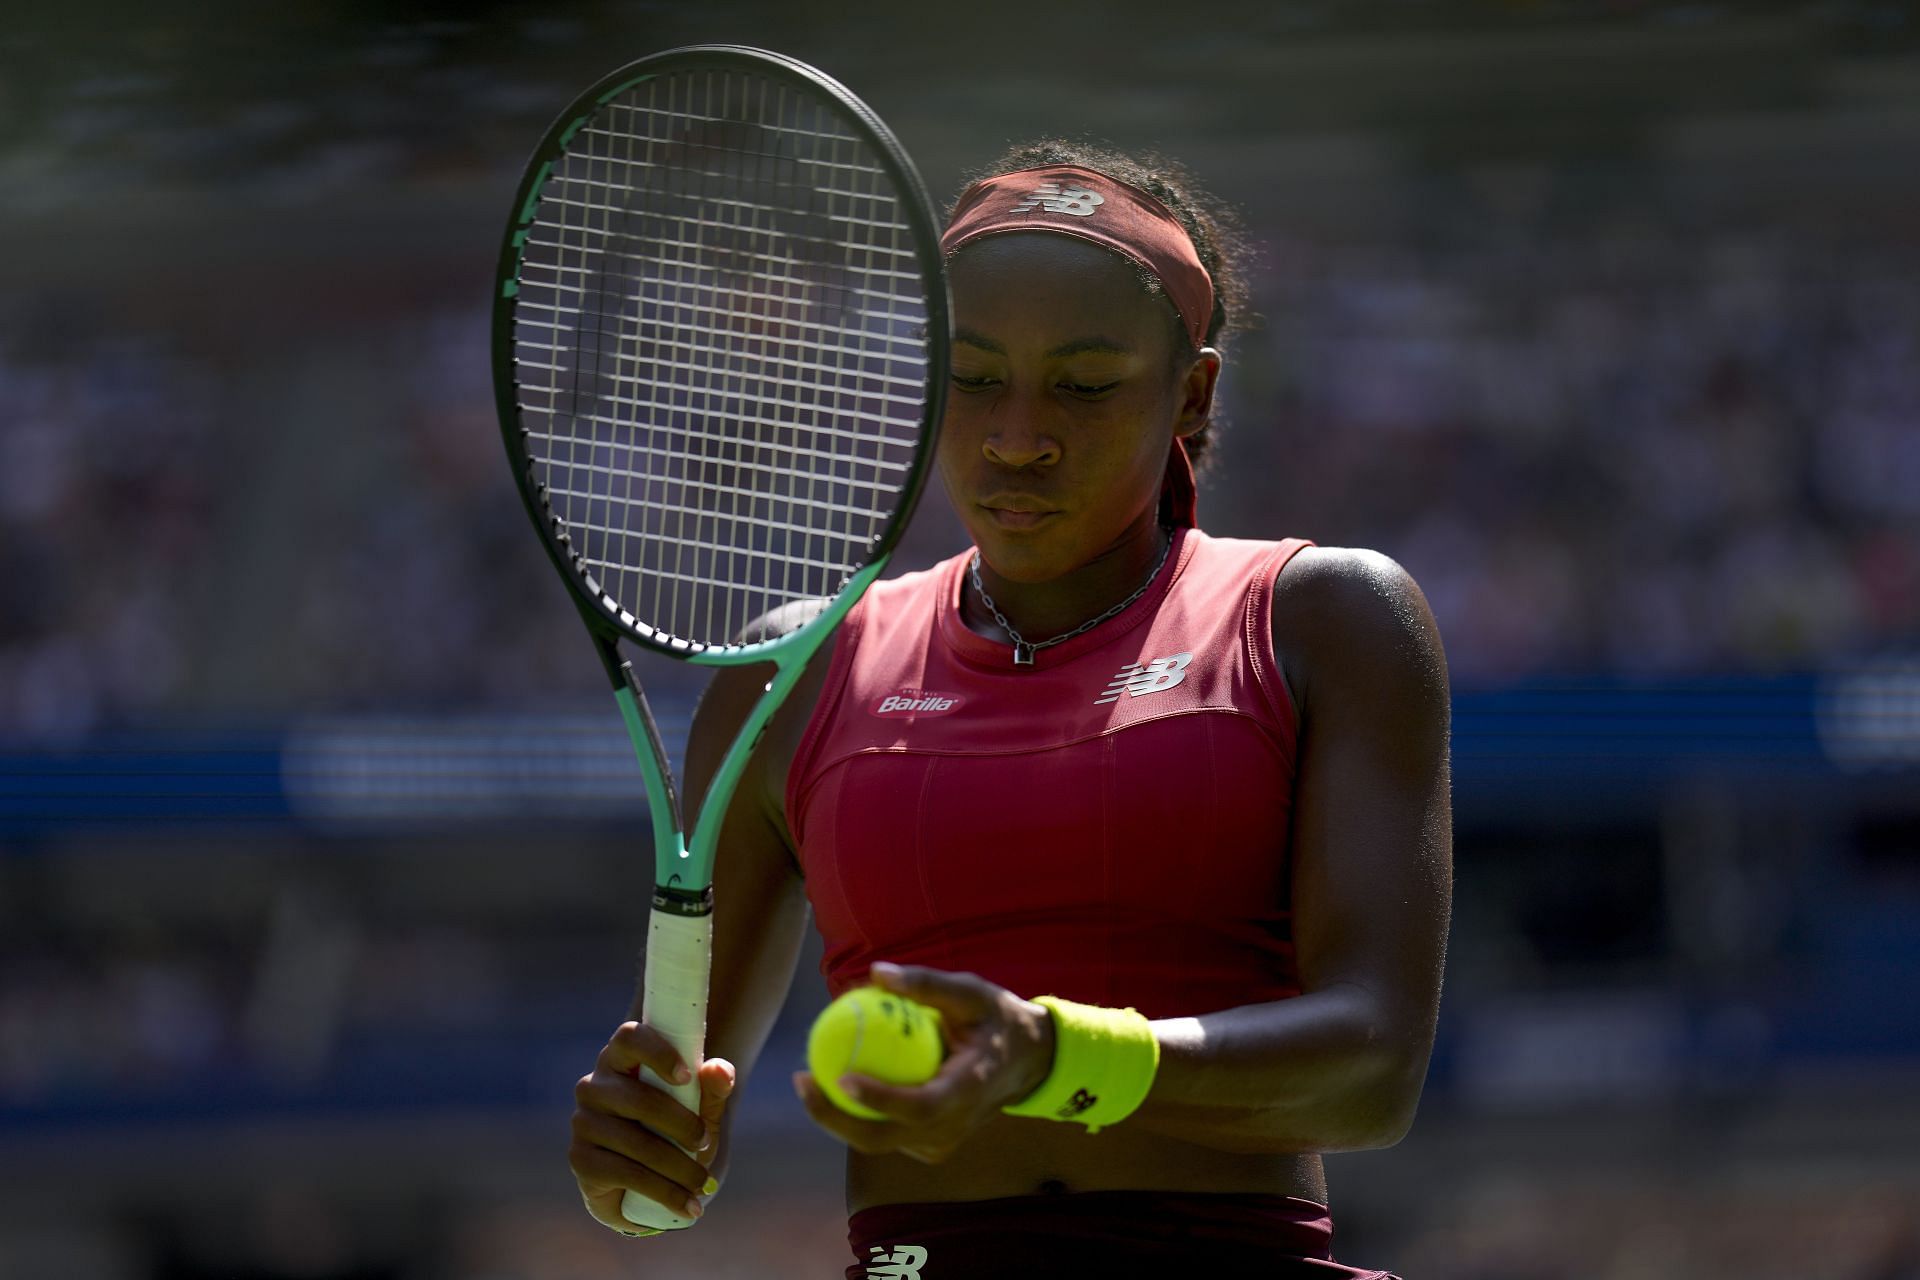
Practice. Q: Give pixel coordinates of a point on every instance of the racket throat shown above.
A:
(650, 749)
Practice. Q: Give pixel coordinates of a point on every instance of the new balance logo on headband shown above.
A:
(1048, 195)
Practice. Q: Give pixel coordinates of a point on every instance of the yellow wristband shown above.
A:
(1103, 1065)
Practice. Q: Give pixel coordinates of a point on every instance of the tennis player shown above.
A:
(1158, 821)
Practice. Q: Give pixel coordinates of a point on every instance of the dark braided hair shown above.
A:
(1212, 225)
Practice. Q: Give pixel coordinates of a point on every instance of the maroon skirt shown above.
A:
(1099, 1233)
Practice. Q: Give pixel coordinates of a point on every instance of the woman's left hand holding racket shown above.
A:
(630, 1136)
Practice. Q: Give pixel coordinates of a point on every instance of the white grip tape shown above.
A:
(679, 958)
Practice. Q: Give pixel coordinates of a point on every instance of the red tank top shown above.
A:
(1108, 825)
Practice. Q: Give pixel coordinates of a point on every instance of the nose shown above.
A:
(1019, 439)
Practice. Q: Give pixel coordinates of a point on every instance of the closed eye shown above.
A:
(972, 384)
(1083, 389)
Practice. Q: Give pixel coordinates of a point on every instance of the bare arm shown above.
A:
(1340, 1066)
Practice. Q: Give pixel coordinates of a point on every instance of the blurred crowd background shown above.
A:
(321, 853)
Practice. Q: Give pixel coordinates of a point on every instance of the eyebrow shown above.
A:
(1097, 345)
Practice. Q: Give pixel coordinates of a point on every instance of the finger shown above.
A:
(960, 998)
(920, 1104)
(869, 1137)
(635, 1045)
(629, 1098)
(607, 1175)
(916, 1118)
(927, 1155)
(640, 1145)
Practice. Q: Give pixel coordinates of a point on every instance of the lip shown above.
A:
(1007, 519)
(1016, 501)
(1016, 510)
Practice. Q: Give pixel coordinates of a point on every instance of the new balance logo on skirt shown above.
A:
(903, 1263)
(1137, 680)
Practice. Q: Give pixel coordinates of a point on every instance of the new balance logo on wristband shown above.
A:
(1137, 681)
(903, 1263)
(1080, 1101)
(1077, 201)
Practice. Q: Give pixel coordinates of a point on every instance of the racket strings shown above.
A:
(720, 343)
(791, 355)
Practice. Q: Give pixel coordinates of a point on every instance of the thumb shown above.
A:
(717, 1078)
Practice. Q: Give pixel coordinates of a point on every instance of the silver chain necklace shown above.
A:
(1023, 651)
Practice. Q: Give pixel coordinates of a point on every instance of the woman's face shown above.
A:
(1064, 402)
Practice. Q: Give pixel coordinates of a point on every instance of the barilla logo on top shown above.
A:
(916, 702)
(1050, 196)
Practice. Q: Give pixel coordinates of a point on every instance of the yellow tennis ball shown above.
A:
(875, 1033)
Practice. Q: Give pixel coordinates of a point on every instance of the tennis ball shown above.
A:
(874, 1033)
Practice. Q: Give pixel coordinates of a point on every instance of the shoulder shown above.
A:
(732, 693)
(733, 689)
(784, 620)
(920, 585)
(1352, 615)
(1345, 578)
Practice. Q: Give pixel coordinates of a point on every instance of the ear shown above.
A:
(1196, 393)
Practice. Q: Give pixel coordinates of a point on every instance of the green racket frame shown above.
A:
(679, 928)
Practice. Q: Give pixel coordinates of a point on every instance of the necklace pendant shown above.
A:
(1022, 654)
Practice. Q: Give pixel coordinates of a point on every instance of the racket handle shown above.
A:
(679, 958)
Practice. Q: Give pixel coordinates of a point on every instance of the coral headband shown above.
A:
(1078, 202)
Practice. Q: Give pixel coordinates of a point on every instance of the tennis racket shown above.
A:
(719, 353)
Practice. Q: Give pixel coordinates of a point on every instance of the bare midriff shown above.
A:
(1019, 1157)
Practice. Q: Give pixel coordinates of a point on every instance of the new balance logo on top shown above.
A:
(1077, 201)
(1138, 680)
(903, 1263)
